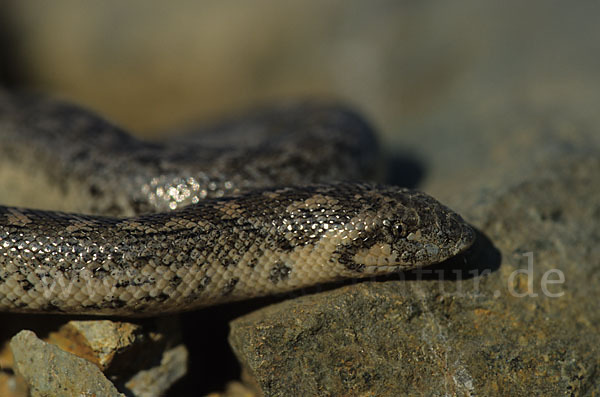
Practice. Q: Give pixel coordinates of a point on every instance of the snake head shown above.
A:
(400, 229)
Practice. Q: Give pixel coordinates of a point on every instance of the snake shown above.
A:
(265, 202)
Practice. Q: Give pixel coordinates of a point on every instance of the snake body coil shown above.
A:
(184, 226)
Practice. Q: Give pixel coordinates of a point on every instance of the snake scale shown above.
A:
(246, 208)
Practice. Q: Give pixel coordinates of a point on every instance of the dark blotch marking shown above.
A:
(203, 284)
(26, 285)
(345, 253)
(161, 297)
(279, 272)
(355, 267)
(226, 262)
(345, 257)
(114, 303)
(228, 288)
(49, 307)
(253, 262)
(175, 281)
(284, 244)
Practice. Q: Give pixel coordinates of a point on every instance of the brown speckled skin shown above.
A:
(218, 249)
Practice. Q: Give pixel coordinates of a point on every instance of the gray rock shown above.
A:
(155, 381)
(516, 317)
(111, 345)
(143, 358)
(50, 371)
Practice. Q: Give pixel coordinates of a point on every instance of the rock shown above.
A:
(142, 359)
(519, 317)
(157, 380)
(103, 341)
(235, 389)
(50, 371)
(120, 349)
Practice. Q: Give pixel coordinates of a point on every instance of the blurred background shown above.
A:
(442, 81)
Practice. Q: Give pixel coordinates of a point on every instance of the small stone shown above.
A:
(50, 371)
(124, 351)
(98, 341)
(156, 380)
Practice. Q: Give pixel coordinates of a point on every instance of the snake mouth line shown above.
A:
(431, 254)
(379, 270)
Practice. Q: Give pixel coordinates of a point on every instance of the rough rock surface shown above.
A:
(156, 381)
(50, 371)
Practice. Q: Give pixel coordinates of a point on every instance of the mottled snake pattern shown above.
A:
(250, 207)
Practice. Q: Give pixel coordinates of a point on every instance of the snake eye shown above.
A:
(395, 228)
